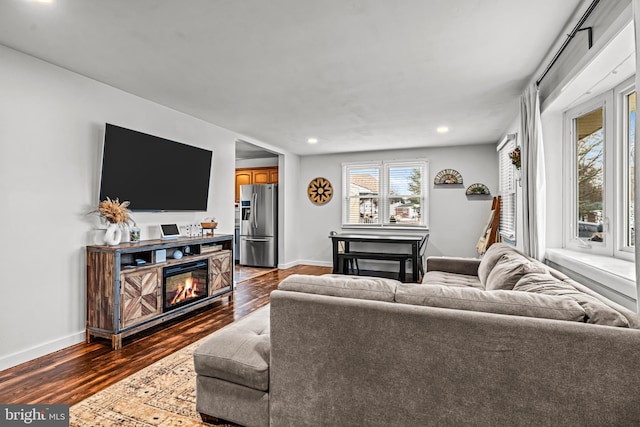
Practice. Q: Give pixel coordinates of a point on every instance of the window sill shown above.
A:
(614, 273)
(384, 227)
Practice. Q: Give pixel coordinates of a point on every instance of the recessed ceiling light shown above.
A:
(42, 1)
(312, 140)
(442, 129)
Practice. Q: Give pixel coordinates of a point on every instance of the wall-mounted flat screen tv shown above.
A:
(153, 173)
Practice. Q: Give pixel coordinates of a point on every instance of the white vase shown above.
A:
(113, 235)
(518, 176)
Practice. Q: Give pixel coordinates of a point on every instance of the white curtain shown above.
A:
(533, 174)
(636, 207)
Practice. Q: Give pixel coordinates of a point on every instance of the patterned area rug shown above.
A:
(162, 394)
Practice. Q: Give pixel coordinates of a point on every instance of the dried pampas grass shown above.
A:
(114, 211)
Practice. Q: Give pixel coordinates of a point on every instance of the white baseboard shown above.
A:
(19, 357)
(305, 262)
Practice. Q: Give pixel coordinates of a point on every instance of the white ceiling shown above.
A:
(356, 74)
(246, 150)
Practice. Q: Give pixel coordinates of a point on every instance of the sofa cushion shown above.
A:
(338, 285)
(597, 312)
(491, 258)
(450, 264)
(632, 317)
(500, 301)
(451, 279)
(238, 353)
(509, 269)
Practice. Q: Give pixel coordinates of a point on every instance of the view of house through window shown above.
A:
(384, 193)
(363, 206)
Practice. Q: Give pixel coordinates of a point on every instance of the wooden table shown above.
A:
(418, 243)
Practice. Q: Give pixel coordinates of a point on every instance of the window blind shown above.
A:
(507, 189)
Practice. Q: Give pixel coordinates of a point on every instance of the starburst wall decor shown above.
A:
(320, 191)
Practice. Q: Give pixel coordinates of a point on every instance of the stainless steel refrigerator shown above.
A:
(259, 225)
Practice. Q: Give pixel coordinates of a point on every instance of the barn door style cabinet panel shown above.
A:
(140, 299)
(134, 286)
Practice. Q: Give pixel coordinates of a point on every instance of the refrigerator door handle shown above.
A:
(254, 210)
(253, 239)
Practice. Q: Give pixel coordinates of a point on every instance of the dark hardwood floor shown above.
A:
(70, 375)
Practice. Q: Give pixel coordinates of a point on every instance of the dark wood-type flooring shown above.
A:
(71, 375)
(242, 272)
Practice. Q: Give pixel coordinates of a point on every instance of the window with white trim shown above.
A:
(507, 188)
(385, 194)
(628, 99)
(599, 186)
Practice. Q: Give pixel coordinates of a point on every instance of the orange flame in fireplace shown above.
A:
(186, 291)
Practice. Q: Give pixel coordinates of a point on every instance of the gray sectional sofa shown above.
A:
(502, 341)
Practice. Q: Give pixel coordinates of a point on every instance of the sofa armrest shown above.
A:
(468, 266)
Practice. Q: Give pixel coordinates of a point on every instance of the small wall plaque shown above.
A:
(448, 176)
(478, 190)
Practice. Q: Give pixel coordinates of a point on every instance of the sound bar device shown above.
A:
(169, 231)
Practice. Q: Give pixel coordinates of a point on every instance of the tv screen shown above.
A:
(153, 173)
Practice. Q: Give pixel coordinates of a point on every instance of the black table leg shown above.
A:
(414, 262)
(335, 256)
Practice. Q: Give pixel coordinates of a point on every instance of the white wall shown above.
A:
(554, 167)
(51, 129)
(289, 217)
(257, 163)
(455, 222)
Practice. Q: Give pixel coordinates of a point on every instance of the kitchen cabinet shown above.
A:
(246, 176)
(273, 176)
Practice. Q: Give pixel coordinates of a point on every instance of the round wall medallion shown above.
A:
(448, 176)
(319, 191)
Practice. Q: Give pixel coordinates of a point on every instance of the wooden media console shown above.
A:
(126, 283)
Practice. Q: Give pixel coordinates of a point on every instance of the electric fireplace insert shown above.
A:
(185, 283)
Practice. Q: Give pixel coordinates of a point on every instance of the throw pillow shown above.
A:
(499, 302)
(491, 258)
(597, 312)
(509, 269)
